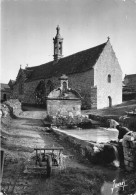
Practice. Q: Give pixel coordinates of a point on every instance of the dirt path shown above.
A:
(20, 138)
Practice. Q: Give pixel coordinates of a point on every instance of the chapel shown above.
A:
(94, 73)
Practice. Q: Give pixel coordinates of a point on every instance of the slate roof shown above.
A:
(11, 82)
(76, 63)
(4, 87)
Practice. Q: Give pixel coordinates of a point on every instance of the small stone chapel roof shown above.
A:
(62, 93)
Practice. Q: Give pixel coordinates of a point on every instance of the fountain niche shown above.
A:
(63, 100)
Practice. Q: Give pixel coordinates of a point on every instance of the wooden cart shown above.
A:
(48, 158)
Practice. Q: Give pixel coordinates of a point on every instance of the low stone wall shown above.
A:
(103, 119)
(11, 108)
(63, 107)
(126, 121)
(96, 153)
(15, 106)
(129, 149)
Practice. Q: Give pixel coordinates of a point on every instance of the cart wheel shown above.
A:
(49, 166)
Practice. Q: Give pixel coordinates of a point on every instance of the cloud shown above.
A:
(127, 1)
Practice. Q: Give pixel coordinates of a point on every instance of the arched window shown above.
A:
(21, 88)
(49, 87)
(109, 78)
(40, 92)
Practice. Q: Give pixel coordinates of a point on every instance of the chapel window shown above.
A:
(109, 78)
(21, 91)
(49, 86)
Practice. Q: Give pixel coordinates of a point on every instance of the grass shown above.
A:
(118, 110)
(72, 181)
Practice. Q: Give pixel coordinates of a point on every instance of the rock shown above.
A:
(112, 123)
(129, 149)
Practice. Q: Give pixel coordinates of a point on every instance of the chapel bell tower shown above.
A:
(58, 41)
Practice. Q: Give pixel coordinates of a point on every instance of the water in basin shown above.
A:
(99, 135)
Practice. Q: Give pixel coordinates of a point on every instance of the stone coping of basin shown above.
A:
(80, 138)
(95, 152)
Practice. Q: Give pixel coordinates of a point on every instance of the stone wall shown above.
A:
(15, 94)
(10, 109)
(103, 119)
(30, 88)
(15, 105)
(107, 64)
(29, 93)
(94, 152)
(129, 148)
(19, 87)
(63, 107)
(128, 121)
(81, 82)
(93, 97)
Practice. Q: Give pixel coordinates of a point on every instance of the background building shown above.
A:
(130, 81)
(129, 87)
(4, 91)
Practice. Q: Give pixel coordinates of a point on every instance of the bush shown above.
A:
(68, 121)
(49, 118)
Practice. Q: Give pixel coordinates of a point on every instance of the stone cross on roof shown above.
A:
(58, 29)
(108, 38)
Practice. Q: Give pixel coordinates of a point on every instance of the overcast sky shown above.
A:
(28, 28)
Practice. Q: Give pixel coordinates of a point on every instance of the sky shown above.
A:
(28, 28)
